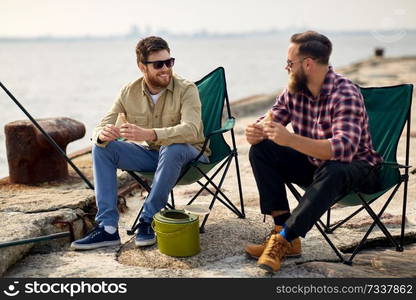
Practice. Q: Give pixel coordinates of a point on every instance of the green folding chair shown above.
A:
(213, 94)
(388, 110)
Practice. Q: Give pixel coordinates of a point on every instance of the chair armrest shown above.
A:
(394, 165)
(228, 125)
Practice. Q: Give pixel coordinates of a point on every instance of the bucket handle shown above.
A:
(169, 234)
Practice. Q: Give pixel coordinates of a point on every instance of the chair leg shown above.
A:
(226, 202)
(324, 226)
(240, 191)
(334, 226)
(317, 224)
(405, 177)
(172, 199)
(404, 209)
(381, 225)
(235, 155)
(337, 252)
(144, 184)
(140, 181)
(376, 220)
(209, 181)
(133, 228)
(204, 187)
(328, 221)
(202, 227)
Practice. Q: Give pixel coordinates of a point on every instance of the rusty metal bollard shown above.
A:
(31, 158)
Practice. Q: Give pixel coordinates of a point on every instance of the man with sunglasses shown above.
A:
(329, 151)
(154, 125)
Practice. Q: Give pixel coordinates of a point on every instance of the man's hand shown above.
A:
(109, 133)
(135, 133)
(254, 134)
(278, 133)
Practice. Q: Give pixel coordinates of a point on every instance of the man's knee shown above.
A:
(266, 149)
(110, 147)
(258, 150)
(97, 150)
(174, 151)
(254, 151)
(112, 150)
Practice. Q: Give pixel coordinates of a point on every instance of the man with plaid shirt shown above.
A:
(330, 150)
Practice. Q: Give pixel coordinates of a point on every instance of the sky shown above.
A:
(31, 18)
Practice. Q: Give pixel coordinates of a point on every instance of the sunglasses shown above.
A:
(290, 63)
(158, 64)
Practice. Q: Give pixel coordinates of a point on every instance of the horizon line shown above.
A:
(197, 34)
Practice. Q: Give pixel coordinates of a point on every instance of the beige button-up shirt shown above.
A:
(176, 116)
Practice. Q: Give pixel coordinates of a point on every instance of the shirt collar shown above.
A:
(327, 86)
(329, 82)
(170, 85)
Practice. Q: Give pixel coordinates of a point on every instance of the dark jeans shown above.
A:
(273, 165)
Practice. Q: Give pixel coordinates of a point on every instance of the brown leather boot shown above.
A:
(276, 249)
(254, 251)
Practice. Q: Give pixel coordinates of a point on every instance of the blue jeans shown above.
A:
(166, 163)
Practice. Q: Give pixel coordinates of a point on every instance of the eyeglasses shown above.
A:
(158, 64)
(290, 63)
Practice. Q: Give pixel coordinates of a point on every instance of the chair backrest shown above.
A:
(388, 109)
(213, 93)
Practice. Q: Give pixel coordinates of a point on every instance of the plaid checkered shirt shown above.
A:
(338, 114)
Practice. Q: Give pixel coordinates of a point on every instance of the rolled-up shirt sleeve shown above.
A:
(109, 118)
(347, 122)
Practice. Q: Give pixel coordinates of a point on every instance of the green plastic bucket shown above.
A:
(177, 233)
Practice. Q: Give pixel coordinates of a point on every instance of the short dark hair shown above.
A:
(148, 45)
(313, 44)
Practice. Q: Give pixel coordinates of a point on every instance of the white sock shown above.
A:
(110, 229)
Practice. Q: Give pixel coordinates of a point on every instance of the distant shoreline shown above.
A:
(200, 35)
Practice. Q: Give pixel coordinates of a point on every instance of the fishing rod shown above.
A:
(47, 136)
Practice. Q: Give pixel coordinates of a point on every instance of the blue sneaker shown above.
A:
(97, 238)
(145, 236)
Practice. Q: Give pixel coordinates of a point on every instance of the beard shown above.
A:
(297, 81)
(160, 79)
